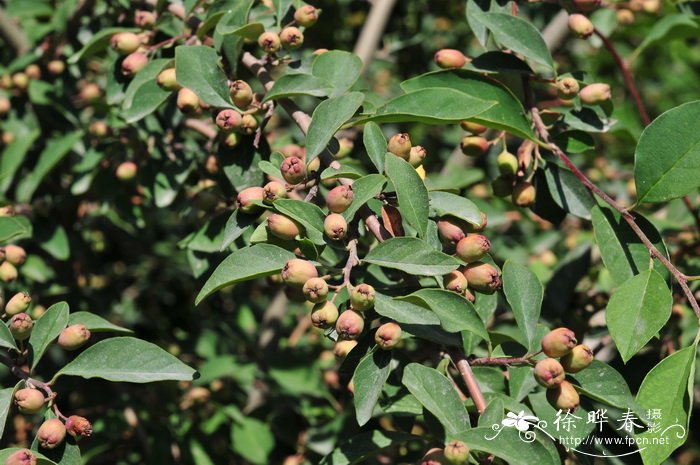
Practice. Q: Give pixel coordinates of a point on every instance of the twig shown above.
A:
(470, 380)
(693, 211)
(166, 42)
(351, 262)
(502, 361)
(202, 127)
(13, 34)
(263, 124)
(372, 31)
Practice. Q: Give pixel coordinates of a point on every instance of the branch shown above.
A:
(470, 380)
(372, 30)
(13, 35)
(503, 361)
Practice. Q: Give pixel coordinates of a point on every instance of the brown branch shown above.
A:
(13, 34)
(693, 211)
(503, 361)
(470, 380)
(626, 215)
(372, 30)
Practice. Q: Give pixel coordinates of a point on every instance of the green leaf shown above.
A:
(6, 398)
(95, 323)
(667, 28)
(568, 192)
(369, 378)
(53, 238)
(667, 158)
(41, 460)
(524, 293)
(97, 43)
(510, 447)
(197, 68)
(13, 228)
(345, 170)
(237, 224)
(430, 106)
(6, 338)
(127, 359)
(455, 312)
(437, 395)
(644, 299)
(668, 387)
(291, 85)
(518, 35)
(363, 190)
(507, 114)
(413, 256)
(252, 439)
(54, 152)
(46, 329)
(144, 95)
(244, 264)
(327, 118)
(445, 203)
(603, 383)
(306, 213)
(15, 153)
(359, 448)
(375, 144)
(411, 192)
(338, 68)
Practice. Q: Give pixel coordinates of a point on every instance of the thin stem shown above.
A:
(372, 30)
(693, 211)
(470, 380)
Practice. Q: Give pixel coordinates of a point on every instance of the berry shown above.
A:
(306, 16)
(594, 94)
(15, 254)
(20, 81)
(558, 342)
(90, 92)
(248, 124)
(73, 337)
(579, 358)
(339, 199)
(5, 105)
(167, 79)
(272, 191)
(580, 25)
(229, 120)
(21, 457)
(33, 72)
(474, 128)
(450, 58)
(241, 94)
(388, 335)
(502, 186)
(474, 146)
(133, 63)
(29, 400)
(335, 226)
(283, 227)
(563, 397)
(549, 373)
(523, 194)
(482, 277)
(345, 147)
(324, 315)
(187, 100)
(567, 88)
(343, 348)
(78, 427)
(144, 19)
(21, 326)
(125, 42)
(362, 297)
(98, 129)
(269, 42)
(456, 453)
(127, 171)
(451, 230)
(246, 199)
(455, 282)
(507, 163)
(8, 272)
(293, 150)
(291, 38)
(400, 145)
(417, 155)
(18, 303)
(434, 456)
(297, 271)
(293, 170)
(315, 290)
(51, 433)
(625, 17)
(473, 247)
(230, 140)
(349, 325)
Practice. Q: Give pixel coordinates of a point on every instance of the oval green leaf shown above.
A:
(524, 293)
(197, 68)
(46, 329)
(369, 378)
(327, 118)
(411, 192)
(413, 256)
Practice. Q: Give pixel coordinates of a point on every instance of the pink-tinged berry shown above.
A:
(297, 271)
(324, 315)
(448, 58)
(247, 197)
(283, 227)
(558, 342)
(349, 325)
(388, 335)
(74, 337)
(549, 373)
(482, 277)
(339, 199)
(51, 433)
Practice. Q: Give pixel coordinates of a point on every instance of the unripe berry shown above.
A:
(20, 81)
(51, 433)
(144, 18)
(125, 42)
(564, 397)
(7, 138)
(502, 186)
(482, 277)
(7, 210)
(56, 67)
(349, 325)
(335, 226)
(455, 281)
(507, 163)
(187, 100)
(90, 92)
(29, 400)
(21, 457)
(21, 326)
(241, 94)
(297, 271)
(625, 17)
(247, 196)
(473, 247)
(283, 227)
(8, 272)
(324, 315)
(523, 194)
(98, 129)
(272, 191)
(269, 42)
(417, 155)
(15, 254)
(230, 140)
(293, 170)
(549, 373)
(339, 199)
(167, 79)
(456, 453)
(248, 124)
(343, 348)
(450, 58)
(567, 88)
(474, 146)
(362, 297)
(580, 25)
(579, 358)
(315, 290)
(306, 16)
(474, 128)
(5, 105)
(400, 145)
(127, 171)
(434, 456)
(558, 342)
(451, 230)
(18, 303)
(291, 38)
(388, 335)
(73, 337)
(594, 94)
(78, 427)
(228, 119)
(133, 63)
(345, 147)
